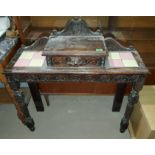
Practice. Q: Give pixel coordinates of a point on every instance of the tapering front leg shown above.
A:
(117, 103)
(132, 100)
(36, 96)
(21, 106)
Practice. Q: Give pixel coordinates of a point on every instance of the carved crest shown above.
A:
(76, 26)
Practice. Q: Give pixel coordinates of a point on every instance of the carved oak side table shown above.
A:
(74, 68)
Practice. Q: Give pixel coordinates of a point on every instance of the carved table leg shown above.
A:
(132, 100)
(21, 106)
(119, 96)
(36, 96)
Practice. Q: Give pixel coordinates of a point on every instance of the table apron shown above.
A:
(117, 78)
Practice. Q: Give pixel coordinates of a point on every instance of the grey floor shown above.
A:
(67, 117)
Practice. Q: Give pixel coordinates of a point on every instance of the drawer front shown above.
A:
(77, 61)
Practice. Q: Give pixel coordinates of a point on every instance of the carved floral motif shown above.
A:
(75, 61)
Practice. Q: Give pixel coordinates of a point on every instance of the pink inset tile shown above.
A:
(126, 55)
(22, 63)
(116, 63)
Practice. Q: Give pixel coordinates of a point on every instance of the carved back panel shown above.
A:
(76, 45)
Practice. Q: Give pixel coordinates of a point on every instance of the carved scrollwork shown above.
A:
(76, 26)
(76, 61)
(140, 82)
(21, 106)
(19, 95)
(132, 100)
(133, 97)
(113, 45)
(79, 77)
(58, 60)
(94, 61)
(13, 85)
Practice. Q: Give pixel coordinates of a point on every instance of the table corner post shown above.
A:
(21, 107)
(132, 100)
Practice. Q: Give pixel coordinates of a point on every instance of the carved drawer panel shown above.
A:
(77, 61)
